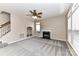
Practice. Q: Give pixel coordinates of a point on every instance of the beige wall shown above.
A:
(18, 27)
(57, 25)
(19, 24)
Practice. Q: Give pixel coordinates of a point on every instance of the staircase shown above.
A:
(3, 44)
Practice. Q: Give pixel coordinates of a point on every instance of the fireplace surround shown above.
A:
(46, 34)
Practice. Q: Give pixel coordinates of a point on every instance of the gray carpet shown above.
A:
(36, 47)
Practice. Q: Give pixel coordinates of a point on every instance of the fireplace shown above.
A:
(46, 34)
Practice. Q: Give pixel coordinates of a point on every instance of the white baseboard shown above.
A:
(59, 39)
(20, 40)
(31, 37)
(55, 39)
(16, 41)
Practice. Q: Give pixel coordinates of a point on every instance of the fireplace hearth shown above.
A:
(46, 34)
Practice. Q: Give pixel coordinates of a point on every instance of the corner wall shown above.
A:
(57, 25)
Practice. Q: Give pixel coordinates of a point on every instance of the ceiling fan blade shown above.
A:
(30, 11)
(39, 16)
(39, 13)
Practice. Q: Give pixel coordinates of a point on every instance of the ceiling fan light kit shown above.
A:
(34, 17)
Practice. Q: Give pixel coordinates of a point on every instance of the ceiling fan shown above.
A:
(34, 14)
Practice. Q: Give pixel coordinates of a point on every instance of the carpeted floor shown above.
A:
(36, 47)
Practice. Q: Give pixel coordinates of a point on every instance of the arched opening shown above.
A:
(29, 31)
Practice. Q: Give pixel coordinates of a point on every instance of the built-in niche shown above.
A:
(29, 31)
(4, 23)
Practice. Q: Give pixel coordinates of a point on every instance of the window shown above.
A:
(75, 20)
(73, 28)
(69, 23)
(37, 26)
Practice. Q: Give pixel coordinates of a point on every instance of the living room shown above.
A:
(27, 33)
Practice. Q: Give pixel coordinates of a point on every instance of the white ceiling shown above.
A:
(49, 10)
